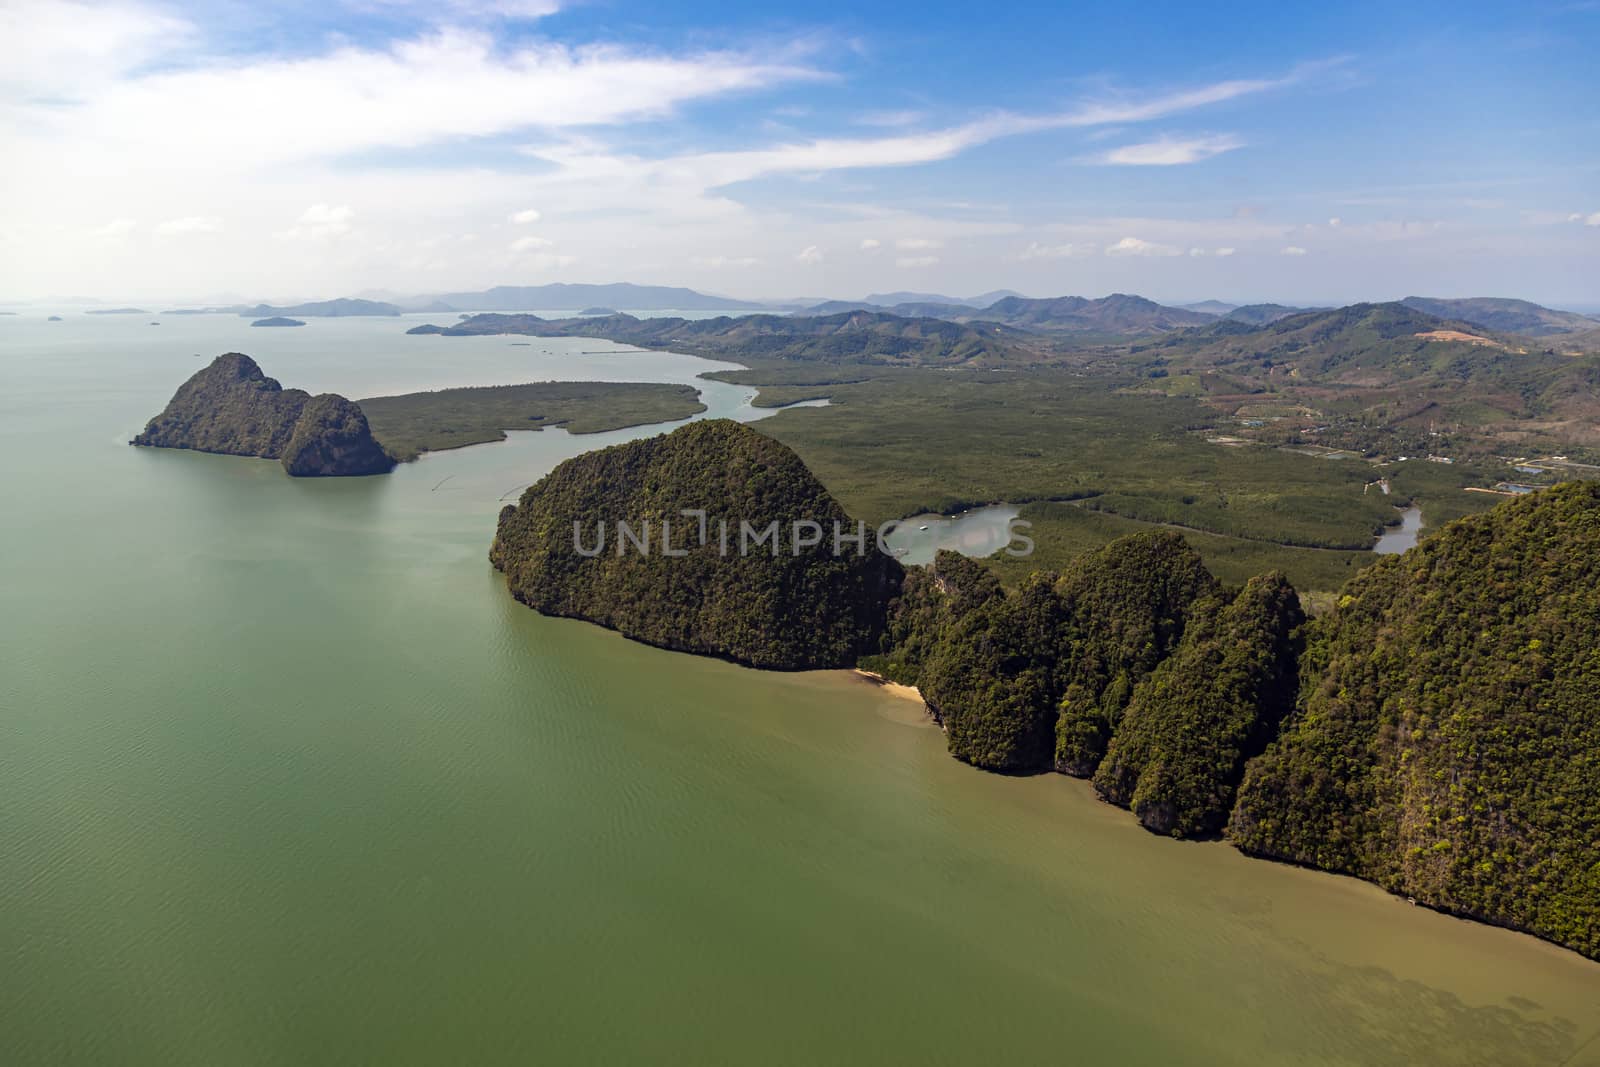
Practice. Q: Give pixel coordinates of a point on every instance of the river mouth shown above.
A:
(980, 532)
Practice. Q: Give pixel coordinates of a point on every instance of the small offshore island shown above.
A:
(1431, 733)
(278, 320)
(232, 408)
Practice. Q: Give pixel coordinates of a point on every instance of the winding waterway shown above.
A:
(1401, 538)
(287, 778)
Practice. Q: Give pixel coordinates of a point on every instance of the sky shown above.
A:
(1248, 152)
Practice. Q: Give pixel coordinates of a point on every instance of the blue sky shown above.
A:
(1252, 152)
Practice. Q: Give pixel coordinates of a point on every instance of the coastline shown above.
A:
(895, 689)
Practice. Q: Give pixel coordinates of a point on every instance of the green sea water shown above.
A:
(287, 778)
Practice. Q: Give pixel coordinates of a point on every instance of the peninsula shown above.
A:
(1432, 731)
(414, 423)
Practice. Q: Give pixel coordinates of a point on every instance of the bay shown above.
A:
(287, 778)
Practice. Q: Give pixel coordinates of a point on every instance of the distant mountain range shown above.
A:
(1391, 361)
(1120, 314)
(1352, 341)
(325, 309)
(1390, 367)
(562, 296)
(1500, 313)
(1365, 346)
(981, 301)
(849, 337)
(1116, 315)
(1262, 314)
(1070, 317)
(1210, 307)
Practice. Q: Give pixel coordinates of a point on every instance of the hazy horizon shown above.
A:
(170, 301)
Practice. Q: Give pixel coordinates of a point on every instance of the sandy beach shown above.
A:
(905, 692)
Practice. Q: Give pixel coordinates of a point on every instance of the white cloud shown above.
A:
(65, 49)
(1293, 250)
(1134, 246)
(1168, 151)
(521, 9)
(1223, 252)
(724, 261)
(328, 120)
(449, 84)
(114, 229)
(1070, 250)
(320, 222)
(530, 244)
(916, 261)
(716, 169)
(1123, 109)
(190, 224)
(545, 261)
(917, 244)
(890, 118)
(469, 9)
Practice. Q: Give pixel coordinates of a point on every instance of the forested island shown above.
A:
(688, 571)
(232, 407)
(1435, 732)
(278, 320)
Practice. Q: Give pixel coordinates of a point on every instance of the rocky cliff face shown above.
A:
(331, 437)
(232, 408)
(1178, 753)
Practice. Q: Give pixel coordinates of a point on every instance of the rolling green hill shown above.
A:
(1118, 314)
(848, 337)
(1389, 342)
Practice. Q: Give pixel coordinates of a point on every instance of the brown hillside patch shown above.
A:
(1458, 335)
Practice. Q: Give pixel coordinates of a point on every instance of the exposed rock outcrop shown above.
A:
(232, 408)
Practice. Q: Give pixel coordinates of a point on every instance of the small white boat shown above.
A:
(922, 527)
